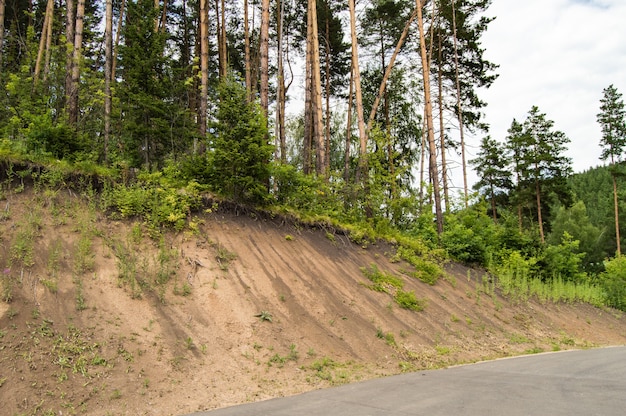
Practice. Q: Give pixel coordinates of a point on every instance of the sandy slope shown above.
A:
(97, 344)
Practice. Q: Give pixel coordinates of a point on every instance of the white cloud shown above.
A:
(558, 55)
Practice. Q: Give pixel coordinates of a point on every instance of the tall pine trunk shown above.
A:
(327, 90)
(316, 96)
(458, 105)
(363, 165)
(616, 208)
(281, 89)
(442, 134)
(308, 113)
(429, 120)
(346, 159)
(539, 215)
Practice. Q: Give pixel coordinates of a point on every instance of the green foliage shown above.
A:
(612, 120)
(408, 300)
(58, 140)
(382, 282)
(492, 166)
(613, 280)
(153, 123)
(540, 165)
(517, 277)
(562, 261)
(240, 152)
(154, 201)
(595, 189)
(426, 269)
(575, 223)
(387, 283)
(297, 190)
(470, 235)
(265, 316)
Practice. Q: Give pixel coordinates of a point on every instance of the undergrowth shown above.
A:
(393, 285)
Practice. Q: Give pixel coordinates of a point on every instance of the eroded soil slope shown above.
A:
(102, 316)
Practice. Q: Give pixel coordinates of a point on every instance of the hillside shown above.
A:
(98, 318)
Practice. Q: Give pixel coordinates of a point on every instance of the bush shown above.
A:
(470, 235)
(408, 300)
(157, 205)
(562, 261)
(613, 281)
(59, 140)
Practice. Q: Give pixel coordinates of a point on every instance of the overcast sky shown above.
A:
(558, 55)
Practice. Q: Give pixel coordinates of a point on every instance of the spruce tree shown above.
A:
(154, 124)
(240, 152)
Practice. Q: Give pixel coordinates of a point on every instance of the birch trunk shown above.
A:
(76, 57)
(69, 46)
(204, 69)
(108, 67)
(117, 38)
(264, 56)
(2, 5)
(42, 41)
(247, 57)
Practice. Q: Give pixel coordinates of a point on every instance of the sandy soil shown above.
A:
(252, 308)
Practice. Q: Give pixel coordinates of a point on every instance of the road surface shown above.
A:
(571, 383)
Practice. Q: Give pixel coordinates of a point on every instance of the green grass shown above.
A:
(408, 300)
(381, 281)
(514, 279)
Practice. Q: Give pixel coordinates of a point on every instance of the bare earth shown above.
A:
(253, 308)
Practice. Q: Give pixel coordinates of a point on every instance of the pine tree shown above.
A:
(540, 163)
(612, 119)
(460, 66)
(492, 165)
(428, 112)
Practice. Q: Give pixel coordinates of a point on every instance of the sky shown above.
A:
(558, 55)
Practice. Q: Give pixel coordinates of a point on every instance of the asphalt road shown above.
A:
(571, 383)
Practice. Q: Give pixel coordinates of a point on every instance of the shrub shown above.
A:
(613, 281)
(408, 300)
(58, 140)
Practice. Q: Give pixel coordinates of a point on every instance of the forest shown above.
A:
(347, 115)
